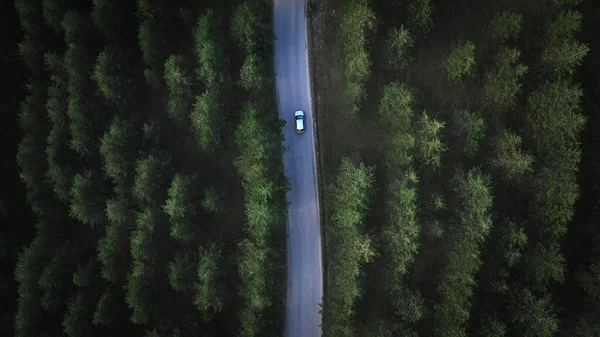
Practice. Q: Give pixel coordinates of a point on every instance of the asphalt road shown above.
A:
(305, 275)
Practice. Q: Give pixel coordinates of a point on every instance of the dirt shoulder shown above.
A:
(323, 66)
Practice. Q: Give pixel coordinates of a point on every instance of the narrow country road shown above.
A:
(304, 276)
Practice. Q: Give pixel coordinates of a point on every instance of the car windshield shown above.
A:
(299, 117)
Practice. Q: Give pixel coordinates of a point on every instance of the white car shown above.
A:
(299, 117)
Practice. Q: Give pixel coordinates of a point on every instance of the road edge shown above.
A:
(317, 144)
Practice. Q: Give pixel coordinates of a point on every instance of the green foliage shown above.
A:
(79, 63)
(258, 148)
(350, 197)
(357, 21)
(514, 241)
(61, 179)
(546, 264)
(110, 73)
(78, 318)
(251, 30)
(152, 174)
(207, 113)
(29, 267)
(565, 25)
(254, 75)
(379, 328)
(212, 202)
(75, 27)
(141, 293)
(117, 149)
(250, 27)
(419, 17)
(535, 316)
(429, 145)
(409, 305)
(53, 12)
(179, 84)
(509, 159)
(142, 239)
(589, 281)
(252, 138)
(502, 86)
(69, 136)
(565, 56)
(555, 122)
(55, 277)
(181, 273)
(31, 158)
(437, 202)
(102, 10)
(470, 129)
(76, 321)
(31, 114)
(87, 201)
(153, 21)
(30, 15)
(354, 92)
(436, 230)
(181, 208)
(105, 314)
(150, 14)
(59, 169)
(117, 210)
(252, 269)
(31, 48)
(493, 327)
(30, 51)
(399, 46)
(149, 38)
(396, 111)
(457, 278)
(209, 292)
(460, 64)
(562, 53)
(505, 27)
(402, 231)
(210, 56)
(113, 247)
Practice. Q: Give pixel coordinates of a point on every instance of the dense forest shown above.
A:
(143, 189)
(460, 169)
(143, 192)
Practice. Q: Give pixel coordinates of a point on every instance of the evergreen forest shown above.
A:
(459, 161)
(143, 194)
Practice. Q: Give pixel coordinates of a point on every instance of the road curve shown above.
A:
(305, 274)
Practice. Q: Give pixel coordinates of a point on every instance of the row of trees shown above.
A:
(401, 227)
(261, 267)
(207, 115)
(357, 22)
(408, 141)
(128, 161)
(483, 252)
(466, 236)
(350, 196)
